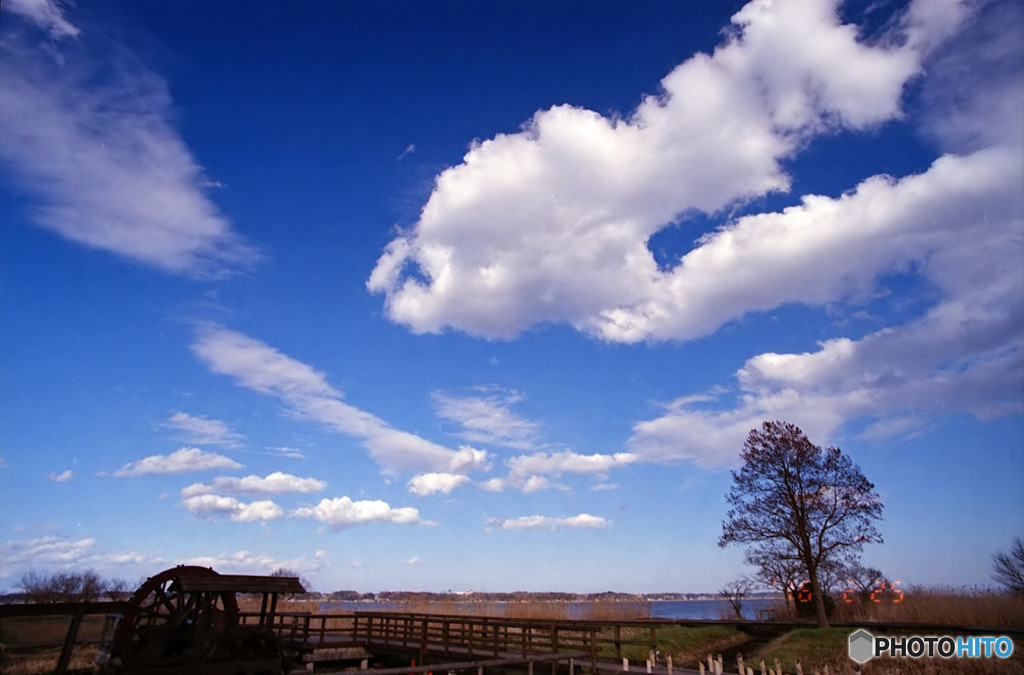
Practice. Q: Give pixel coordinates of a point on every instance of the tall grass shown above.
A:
(942, 605)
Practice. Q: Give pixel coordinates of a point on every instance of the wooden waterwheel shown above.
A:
(186, 620)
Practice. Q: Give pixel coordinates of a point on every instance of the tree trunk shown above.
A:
(819, 597)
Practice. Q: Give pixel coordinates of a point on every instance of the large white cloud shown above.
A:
(306, 393)
(959, 227)
(551, 224)
(91, 141)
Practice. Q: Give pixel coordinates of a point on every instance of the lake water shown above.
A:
(706, 609)
(663, 609)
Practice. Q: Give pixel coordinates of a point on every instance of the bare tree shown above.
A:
(813, 502)
(734, 592)
(63, 586)
(1008, 568)
(863, 579)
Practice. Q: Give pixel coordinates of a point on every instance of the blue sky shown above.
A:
(486, 296)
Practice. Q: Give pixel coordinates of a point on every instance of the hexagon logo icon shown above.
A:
(862, 646)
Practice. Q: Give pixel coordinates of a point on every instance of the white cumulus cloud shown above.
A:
(432, 483)
(274, 483)
(209, 505)
(343, 512)
(551, 224)
(182, 460)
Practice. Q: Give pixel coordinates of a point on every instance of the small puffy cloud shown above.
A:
(568, 462)
(414, 561)
(487, 417)
(343, 512)
(432, 483)
(183, 460)
(583, 521)
(200, 430)
(209, 505)
(275, 483)
(530, 473)
(62, 477)
(307, 394)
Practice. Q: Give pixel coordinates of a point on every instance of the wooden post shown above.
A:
(701, 664)
(739, 663)
(711, 664)
(625, 665)
(668, 662)
(720, 667)
(778, 667)
(763, 669)
(69, 641)
(423, 640)
(799, 668)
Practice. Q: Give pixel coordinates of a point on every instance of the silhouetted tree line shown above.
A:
(87, 586)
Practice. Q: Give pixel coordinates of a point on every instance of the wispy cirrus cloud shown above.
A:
(250, 562)
(182, 460)
(307, 394)
(56, 551)
(583, 521)
(486, 416)
(46, 14)
(199, 430)
(90, 139)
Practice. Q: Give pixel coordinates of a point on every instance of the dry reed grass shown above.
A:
(945, 606)
(40, 661)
